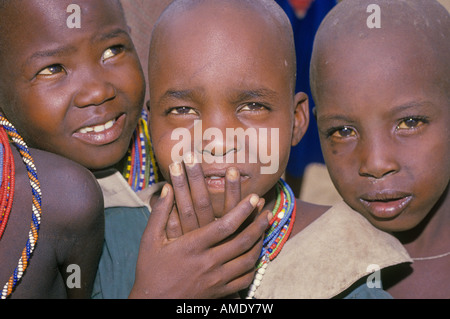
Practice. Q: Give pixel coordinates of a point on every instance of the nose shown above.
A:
(94, 89)
(378, 157)
(218, 137)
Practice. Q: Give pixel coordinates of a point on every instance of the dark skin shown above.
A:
(80, 79)
(71, 229)
(222, 89)
(384, 134)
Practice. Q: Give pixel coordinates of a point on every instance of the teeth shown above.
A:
(215, 177)
(97, 128)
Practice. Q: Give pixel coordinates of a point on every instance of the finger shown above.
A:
(186, 213)
(199, 191)
(220, 229)
(245, 240)
(156, 225)
(173, 228)
(232, 189)
(241, 270)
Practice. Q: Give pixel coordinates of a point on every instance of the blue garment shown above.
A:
(365, 292)
(308, 150)
(124, 227)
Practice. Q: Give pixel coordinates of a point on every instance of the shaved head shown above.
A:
(268, 10)
(409, 27)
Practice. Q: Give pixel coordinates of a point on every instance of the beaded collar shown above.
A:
(278, 233)
(140, 169)
(7, 177)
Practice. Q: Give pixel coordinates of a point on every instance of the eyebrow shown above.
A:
(252, 94)
(335, 117)
(63, 50)
(67, 49)
(110, 35)
(411, 105)
(395, 110)
(179, 94)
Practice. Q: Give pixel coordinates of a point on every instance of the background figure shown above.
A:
(305, 17)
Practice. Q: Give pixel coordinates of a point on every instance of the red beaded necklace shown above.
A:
(7, 180)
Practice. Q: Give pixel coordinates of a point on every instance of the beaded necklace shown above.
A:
(278, 233)
(36, 204)
(140, 169)
(7, 170)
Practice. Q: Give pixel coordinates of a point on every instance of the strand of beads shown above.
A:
(7, 184)
(140, 169)
(278, 233)
(36, 208)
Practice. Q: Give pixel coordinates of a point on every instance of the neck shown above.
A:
(431, 236)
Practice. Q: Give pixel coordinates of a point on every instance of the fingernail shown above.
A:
(164, 191)
(269, 216)
(254, 200)
(232, 173)
(175, 169)
(189, 159)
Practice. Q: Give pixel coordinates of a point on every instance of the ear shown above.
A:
(301, 117)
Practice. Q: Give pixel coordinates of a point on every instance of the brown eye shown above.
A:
(182, 110)
(112, 51)
(343, 132)
(410, 123)
(51, 70)
(253, 107)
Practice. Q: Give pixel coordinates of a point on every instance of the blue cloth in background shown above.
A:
(308, 150)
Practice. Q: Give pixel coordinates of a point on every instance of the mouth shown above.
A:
(102, 133)
(98, 128)
(216, 181)
(386, 204)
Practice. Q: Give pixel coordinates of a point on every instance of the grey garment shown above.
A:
(124, 227)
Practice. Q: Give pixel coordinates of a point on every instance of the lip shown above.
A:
(106, 135)
(215, 180)
(386, 204)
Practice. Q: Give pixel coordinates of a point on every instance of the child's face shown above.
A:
(77, 92)
(227, 74)
(384, 116)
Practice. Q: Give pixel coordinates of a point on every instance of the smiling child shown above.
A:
(78, 92)
(383, 111)
(63, 206)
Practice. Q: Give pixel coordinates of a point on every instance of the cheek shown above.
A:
(131, 81)
(162, 144)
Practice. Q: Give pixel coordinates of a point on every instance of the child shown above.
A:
(382, 96)
(79, 92)
(64, 207)
(221, 78)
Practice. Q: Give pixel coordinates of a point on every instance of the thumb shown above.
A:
(159, 215)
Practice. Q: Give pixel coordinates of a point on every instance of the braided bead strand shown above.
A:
(36, 208)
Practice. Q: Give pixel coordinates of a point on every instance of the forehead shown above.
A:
(216, 45)
(393, 67)
(30, 22)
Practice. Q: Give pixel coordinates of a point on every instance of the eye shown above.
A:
(182, 110)
(253, 106)
(342, 132)
(51, 70)
(112, 51)
(411, 123)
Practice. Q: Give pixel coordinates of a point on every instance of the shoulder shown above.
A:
(306, 213)
(70, 192)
